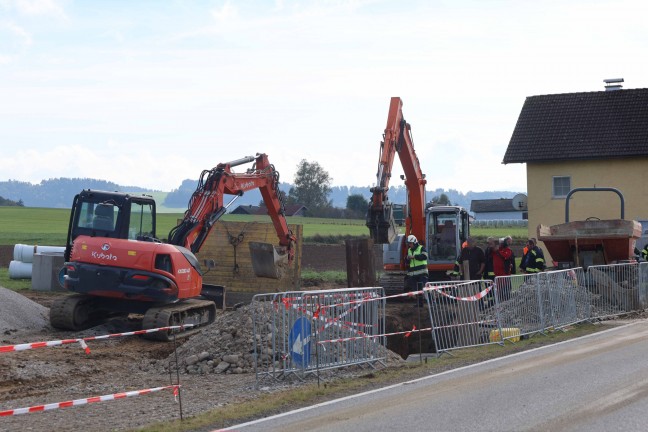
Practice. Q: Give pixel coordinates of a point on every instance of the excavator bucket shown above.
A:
(266, 261)
(381, 224)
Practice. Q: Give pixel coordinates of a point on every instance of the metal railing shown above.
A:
(306, 332)
(615, 288)
(457, 316)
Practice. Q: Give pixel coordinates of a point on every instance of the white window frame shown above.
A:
(553, 186)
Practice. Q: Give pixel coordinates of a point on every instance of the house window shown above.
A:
(561, 186)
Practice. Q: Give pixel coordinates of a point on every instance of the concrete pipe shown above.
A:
(20, 270)
(25, 253)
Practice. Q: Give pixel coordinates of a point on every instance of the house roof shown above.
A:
(492, 205)
(246, 209)
(572, 126)
(290, 209)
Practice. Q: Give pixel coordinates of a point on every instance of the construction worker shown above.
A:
(491, 247)
(533, 261)
(417, 259)
(644, 252)
(475, 257)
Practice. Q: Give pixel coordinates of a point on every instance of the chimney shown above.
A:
(612, 84)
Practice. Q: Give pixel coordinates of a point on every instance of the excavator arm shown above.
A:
(206, 204)
(397, 139)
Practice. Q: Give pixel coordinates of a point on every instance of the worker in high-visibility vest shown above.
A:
(417, 259)
(533, 261)
(644, 252)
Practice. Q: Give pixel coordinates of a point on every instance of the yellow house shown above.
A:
(583, 140)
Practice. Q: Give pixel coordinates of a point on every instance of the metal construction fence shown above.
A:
(302, 333)
(470, 313)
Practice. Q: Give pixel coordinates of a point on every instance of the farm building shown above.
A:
(496, 209)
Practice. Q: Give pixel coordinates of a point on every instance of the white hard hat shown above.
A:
(411, 239)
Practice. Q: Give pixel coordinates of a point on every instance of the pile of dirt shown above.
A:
(227, 345)
(18, 313)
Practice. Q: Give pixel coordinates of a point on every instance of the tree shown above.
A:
(441, 199)
(312, 186)
(357, 205)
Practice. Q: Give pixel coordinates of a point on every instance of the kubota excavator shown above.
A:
(442, 229)
(116, 265)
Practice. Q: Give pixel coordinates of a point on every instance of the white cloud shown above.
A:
(297, 80)
(52, 8)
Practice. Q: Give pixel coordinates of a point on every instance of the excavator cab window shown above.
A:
(443, 236)
(142, 221)
(97, 217)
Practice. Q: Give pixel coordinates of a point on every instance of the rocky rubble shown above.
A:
(554, 304)
(227, 346)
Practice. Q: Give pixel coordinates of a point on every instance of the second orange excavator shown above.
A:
(442, 229)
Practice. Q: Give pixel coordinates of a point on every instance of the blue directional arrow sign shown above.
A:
(299, 342)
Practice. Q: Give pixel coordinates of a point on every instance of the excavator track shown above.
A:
(76, 312)
(392, 283)
(192, 311)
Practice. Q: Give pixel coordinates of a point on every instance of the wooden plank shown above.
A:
(228, 246)
(361, 266)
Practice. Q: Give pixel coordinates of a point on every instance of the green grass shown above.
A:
(46, 226)
(13, 284)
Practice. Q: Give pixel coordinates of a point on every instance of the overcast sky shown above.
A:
(150, 93)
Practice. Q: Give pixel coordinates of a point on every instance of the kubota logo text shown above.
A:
(103, 256)
(246, 185)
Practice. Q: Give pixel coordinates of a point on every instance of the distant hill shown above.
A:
(59, 193)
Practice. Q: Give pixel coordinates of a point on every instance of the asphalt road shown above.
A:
(594, 383)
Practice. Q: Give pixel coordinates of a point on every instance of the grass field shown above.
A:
(47, 226)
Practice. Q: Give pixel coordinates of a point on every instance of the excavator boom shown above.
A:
(397, 139)
(206, 207)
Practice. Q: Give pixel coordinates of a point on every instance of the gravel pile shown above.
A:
(227, 346)
(531, 306)
(18, 313)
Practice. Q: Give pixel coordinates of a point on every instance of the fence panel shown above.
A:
(349, 326)
(643, 285)
(565, 297)
(457, 314)
(304, 332)
(615, 289)
(519, 305)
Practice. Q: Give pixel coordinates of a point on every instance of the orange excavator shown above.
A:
(442, 229)
(116, 265)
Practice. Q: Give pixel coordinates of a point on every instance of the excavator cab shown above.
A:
(111, 215)
(447, 230)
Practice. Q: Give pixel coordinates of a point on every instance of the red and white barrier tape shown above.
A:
(77, 402)
(475, 297)
(347, 339)
(82, 341)
(289, 302)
